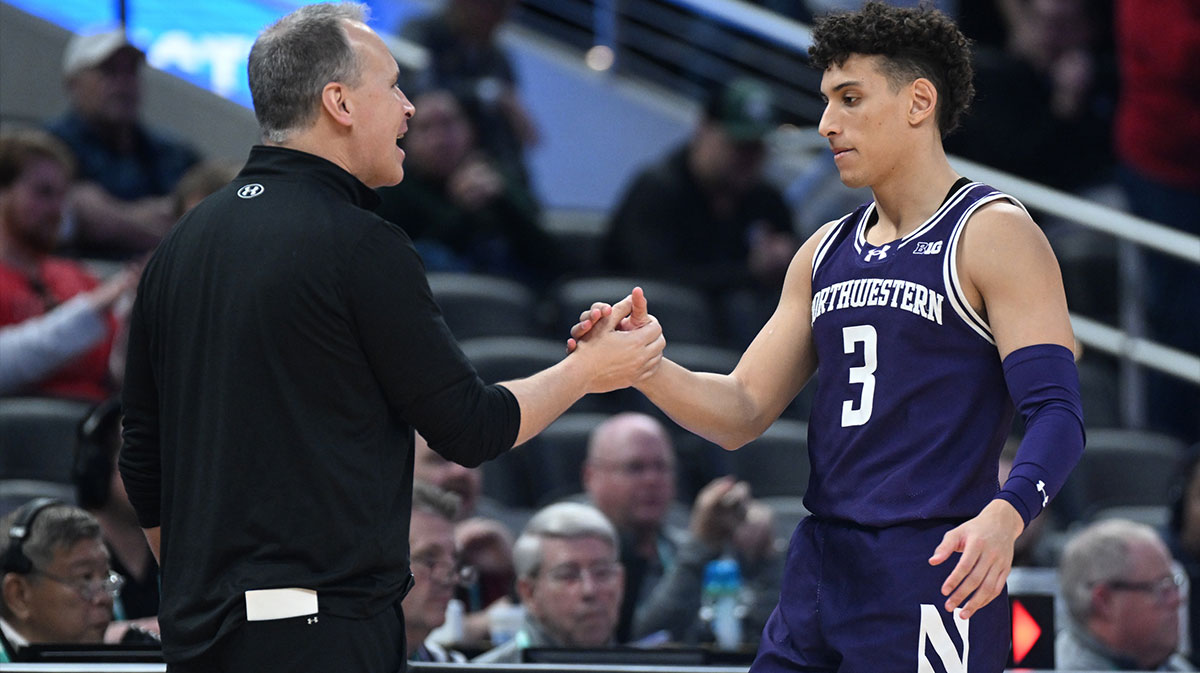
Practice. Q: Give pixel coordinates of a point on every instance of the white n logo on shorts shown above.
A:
(933, 631)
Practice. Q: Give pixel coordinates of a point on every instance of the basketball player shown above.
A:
(925, 315)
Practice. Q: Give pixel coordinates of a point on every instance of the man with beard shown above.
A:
(35, 175)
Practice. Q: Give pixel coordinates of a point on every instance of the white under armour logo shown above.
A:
(251, 190)
(881, 253)
(312, 620)
(1041, 487)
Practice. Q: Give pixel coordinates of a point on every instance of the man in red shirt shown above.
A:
(35, 174)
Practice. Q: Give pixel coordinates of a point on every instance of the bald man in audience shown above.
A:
(630, 476)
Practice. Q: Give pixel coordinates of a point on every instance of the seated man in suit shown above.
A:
(570, 581)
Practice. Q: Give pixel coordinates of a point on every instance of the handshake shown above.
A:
(621, 344)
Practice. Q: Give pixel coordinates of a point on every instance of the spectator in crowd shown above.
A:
(630, 477)
(35, 174)
(34, 348)
(466, 58)
(1157, 138)
(461, 208)
(437, 571)
(1183, 534)
(56, 586)
(705, 214)
(1123, 599)
(121, 201)
(100, 491)
(570, 581)
(1045, 67)
(200, 180)
(483, 542)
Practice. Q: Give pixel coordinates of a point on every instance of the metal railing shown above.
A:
(687, 45)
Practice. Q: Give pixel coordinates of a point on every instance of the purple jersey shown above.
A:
(911, 406)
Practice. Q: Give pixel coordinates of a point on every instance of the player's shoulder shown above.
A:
(1002, 236)
(1002, 220)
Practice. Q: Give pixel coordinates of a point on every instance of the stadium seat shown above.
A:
(476, 305)
(556, 456)
(508, 479)
(1098, 391)
(788, 511)
(17, 492)
(37, 437)
(499, 359)
(775, 464)
(684, 312)
(1122, 468)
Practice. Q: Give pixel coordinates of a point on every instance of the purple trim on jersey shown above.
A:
(911, 408)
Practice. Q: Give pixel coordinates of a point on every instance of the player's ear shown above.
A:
(335, 100)
(922, 101)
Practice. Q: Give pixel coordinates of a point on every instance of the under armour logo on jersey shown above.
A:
(312, 620)
(927, 248)
(880, 253)
(1041, 487)
(251, 190)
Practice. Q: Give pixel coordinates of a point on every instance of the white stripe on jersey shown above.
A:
(954, 291)
(826, 242)
(860, 233)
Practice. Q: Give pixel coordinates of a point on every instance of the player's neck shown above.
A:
(910, 194)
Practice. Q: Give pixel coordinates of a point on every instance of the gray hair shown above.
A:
(294, 58)
(564, 520)
(1099, 553)
(435, 500)
(56, 528)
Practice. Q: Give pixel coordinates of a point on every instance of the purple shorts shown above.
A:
(856, 599)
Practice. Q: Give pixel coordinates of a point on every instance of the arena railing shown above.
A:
(686, 44)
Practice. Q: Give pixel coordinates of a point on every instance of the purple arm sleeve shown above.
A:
(1044, 385)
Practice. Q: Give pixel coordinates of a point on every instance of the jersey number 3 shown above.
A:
(858, 414)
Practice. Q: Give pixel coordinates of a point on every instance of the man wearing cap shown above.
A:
(704, 215)
(121, 200)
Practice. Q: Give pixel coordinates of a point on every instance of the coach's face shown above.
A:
(380, 111)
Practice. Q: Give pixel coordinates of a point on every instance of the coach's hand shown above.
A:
(639, 317)
(986, 544)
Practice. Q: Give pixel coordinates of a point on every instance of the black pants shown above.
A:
(319, 643)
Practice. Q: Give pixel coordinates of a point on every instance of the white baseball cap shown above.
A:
(88, 50)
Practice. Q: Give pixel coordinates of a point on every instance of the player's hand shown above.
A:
(986, 544)
(619, 358)
(639, 317)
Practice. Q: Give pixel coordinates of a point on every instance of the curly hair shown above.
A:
(914, 42)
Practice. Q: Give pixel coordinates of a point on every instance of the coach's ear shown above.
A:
(335, 100)
(923, 101)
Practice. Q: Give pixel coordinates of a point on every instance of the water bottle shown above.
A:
(720, 602)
